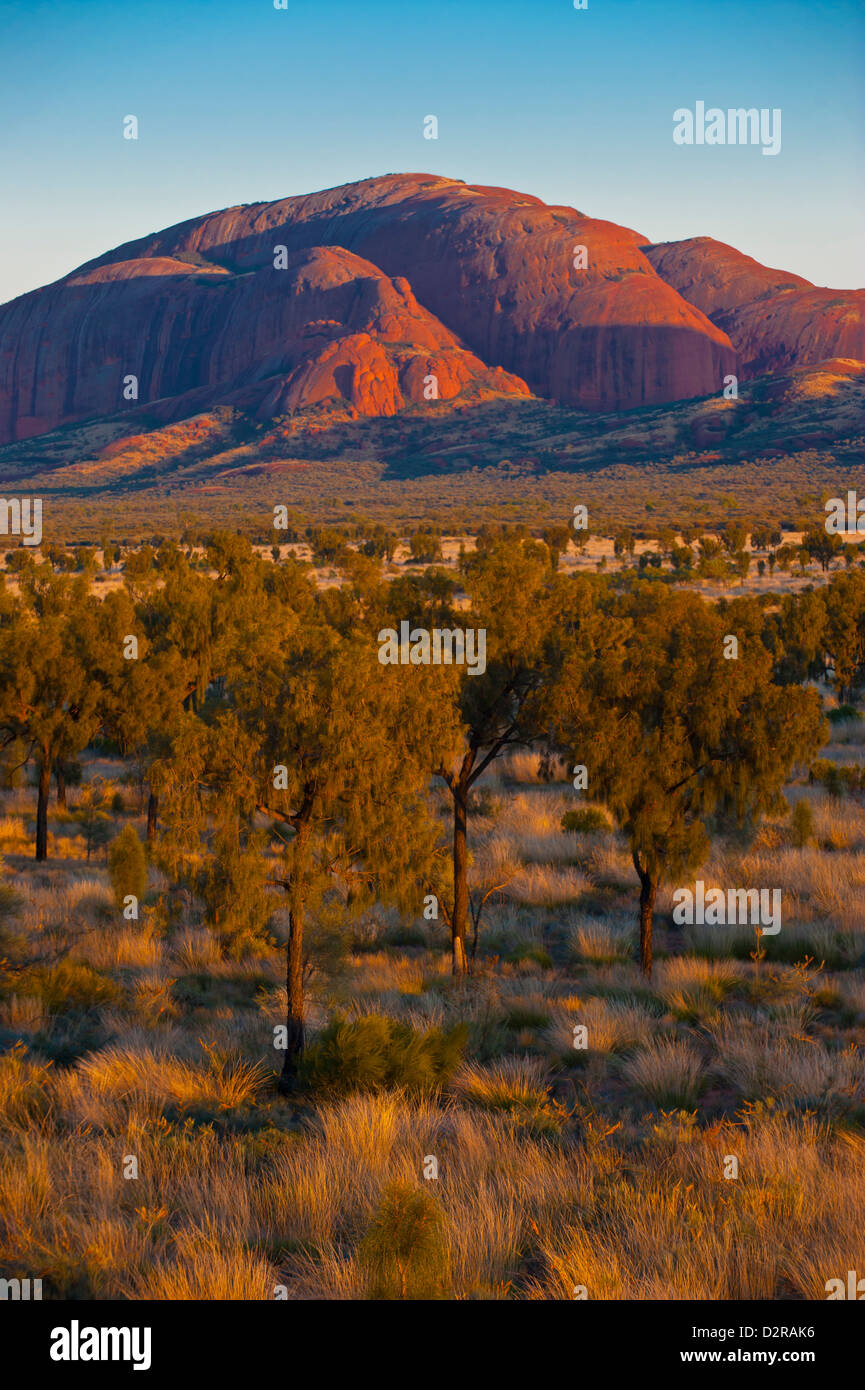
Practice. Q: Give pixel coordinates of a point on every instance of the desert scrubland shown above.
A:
(530, 1116)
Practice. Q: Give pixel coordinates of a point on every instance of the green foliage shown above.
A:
(535, 955)
(232, 883)
(373, 1051)
(843, 713)
(404, 1252)
(13, 763)
(329, 546)
(681, 733)
(425, 546)
(70, 985)
(588, 820)
(822, 545)
(94, 819)
(839, 779)
(127, 866)
(556, 539)
(675, 734)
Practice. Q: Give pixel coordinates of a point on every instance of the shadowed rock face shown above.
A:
(498, 268)
(327, 325)
(388, 282)
(774, 320)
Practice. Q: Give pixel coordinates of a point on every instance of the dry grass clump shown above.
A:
(547, 885)
(515, 1086)
(693, 989)
(531, 769)
(197, 951)
(787, 1224)
(325, 1191)
(24, 1088)
(122, 948)
(22, 1013)
(769, 1060)
(204, 1265)
(14, 837)
(601, 942)
(125, 1077)
(667, 1072)
(611, 1027)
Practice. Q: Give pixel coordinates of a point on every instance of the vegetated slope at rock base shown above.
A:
(778, 414)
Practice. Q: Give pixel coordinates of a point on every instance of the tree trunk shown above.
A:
(42, 809)
(295, 1040)
(295, 1030)
(461, 891)
(648, 889)
(152, 814)
(60, 780)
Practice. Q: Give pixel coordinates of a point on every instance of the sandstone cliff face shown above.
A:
(388, 282)
(498, 268)
(327, 324)
(774, 320)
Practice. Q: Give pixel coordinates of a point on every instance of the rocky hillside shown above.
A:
(398, 290)
(773, 319)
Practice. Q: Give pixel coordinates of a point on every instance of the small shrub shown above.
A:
(520, 1016)
(843, 712)
(374, 1051)
(588, 820)
(535, 955)
(838, 781)
(71, 985)
(118, 803)
(515, 1087)
(403, 1254)
(127, 866)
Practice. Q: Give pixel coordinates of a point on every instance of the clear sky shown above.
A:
(239, 102)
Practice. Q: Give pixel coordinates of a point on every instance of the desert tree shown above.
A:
(821, 545)
(795, 635)
(844, 632)
(624, 542)
(509, 597)
(556, 540)
(675, 730)
(332, 751)
(189, 623)
(425, 545)
(50, 690)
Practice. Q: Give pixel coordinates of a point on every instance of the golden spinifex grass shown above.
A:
(559, 1168)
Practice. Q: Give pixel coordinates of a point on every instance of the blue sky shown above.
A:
(239, 102)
